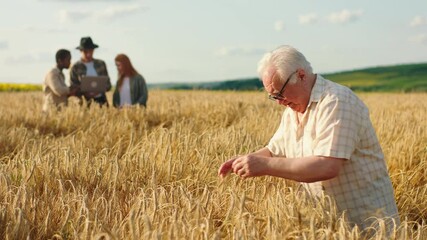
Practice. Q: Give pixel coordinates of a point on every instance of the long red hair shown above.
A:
(128, 69)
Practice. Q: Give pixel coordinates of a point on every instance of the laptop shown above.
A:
(97, 84)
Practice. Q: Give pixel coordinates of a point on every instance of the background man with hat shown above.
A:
(88, 66)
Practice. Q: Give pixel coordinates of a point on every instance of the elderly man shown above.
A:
(325, 140)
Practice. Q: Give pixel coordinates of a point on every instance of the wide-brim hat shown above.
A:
(86, 43)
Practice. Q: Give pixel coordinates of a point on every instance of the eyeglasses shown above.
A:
(279, 96)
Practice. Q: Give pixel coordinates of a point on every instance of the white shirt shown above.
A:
(337, 124)
(125, 93)
(90, 69)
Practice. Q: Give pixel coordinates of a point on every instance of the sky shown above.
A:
(177, 41)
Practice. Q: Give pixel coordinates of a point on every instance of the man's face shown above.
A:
(87, 54)
(293, 95)
(65, 63)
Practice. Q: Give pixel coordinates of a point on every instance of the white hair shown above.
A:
(285, 60)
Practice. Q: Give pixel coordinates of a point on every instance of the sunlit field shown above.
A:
(152, 173)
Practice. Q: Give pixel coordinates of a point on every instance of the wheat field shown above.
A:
(103, 173)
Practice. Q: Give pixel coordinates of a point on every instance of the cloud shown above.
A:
(73, 16)
(108, 14)
(345, 16)
(308, 18)
(44, 30)
(418, 21)
(117, 11)
(22, 59)
(279, 26)
(4, 44)
(240, 51)
(420, 38)
(30, 58)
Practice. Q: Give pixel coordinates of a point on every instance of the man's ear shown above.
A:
(301, 74)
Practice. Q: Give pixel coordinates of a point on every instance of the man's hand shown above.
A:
(225, 168)
(244, 166)
(250, 166)
(90, 94)
(73, 91)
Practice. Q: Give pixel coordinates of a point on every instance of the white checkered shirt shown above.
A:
(337, 124)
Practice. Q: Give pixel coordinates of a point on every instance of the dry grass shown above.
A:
(151, 174)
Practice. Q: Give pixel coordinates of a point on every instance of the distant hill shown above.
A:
(397, 78)
(407, 78)
(239, 84)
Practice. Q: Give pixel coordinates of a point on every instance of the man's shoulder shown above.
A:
(337, 92)
(98, 61)
(77, 64)
(53, 71)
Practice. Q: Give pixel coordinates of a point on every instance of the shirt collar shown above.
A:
(317, 90)
(57, 68)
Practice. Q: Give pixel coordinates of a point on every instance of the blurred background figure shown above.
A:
(88, 66)
(55, 91)
(131, 88)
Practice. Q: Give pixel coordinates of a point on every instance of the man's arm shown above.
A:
(102, 71)
(54, 83)
(305, 169)
(75, 81)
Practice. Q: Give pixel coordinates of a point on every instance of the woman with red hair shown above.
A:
(131, 88)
